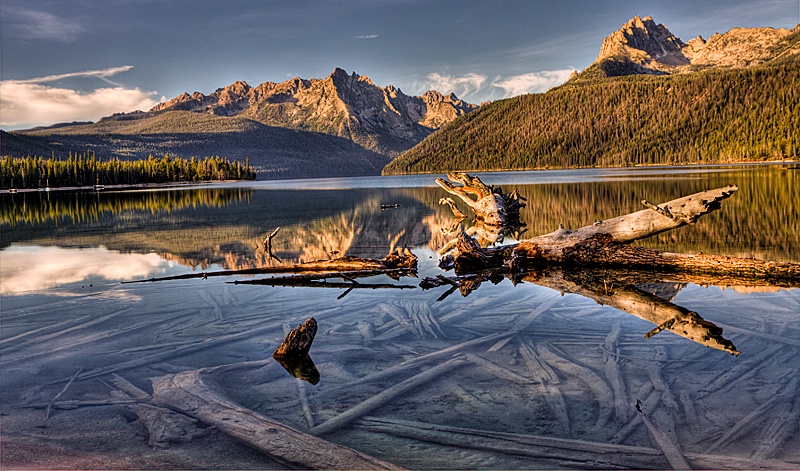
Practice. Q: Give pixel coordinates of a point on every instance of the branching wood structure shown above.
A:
(606, 243)
(490, 204)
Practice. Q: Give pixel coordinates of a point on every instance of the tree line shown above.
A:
(714, 116)
(85, 169)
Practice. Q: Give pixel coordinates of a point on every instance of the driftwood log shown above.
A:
(401, 260)
(605, 243)
(189, 393)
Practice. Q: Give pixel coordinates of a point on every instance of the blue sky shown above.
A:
(65, 60)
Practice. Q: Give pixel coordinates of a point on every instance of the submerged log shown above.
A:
(189, 393)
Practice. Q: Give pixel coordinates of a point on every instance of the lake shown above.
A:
(520, 372)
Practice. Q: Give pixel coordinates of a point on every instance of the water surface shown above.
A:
(550, 356)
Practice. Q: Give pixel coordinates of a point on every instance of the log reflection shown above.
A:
(641, 294)
(300, 367)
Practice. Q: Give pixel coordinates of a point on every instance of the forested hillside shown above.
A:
(714, 116)
(87, 169)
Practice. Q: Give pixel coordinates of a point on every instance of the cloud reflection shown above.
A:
(31, 268)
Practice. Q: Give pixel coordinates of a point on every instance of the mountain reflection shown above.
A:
(226, 227)
(25, 269)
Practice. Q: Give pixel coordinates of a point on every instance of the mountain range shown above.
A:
(343, 124)
(648, 98)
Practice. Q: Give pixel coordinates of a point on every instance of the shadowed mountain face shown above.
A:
(641, 46)
(341, 125)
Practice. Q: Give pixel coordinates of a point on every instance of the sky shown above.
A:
(80, 60)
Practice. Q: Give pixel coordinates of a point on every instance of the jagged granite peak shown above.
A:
(643, 35)
(342, 104)
(641, 46)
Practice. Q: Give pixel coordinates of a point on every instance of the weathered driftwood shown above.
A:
(600, 389)
(387, 395)
(50, 405)
(318, 281)
(165, 426)
(189, 393)
(401, 259)
(667, 446)
(570, 453)
(490, 204)
(605, 243)
(459, 215)
(268, 243)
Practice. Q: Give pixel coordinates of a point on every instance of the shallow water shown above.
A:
(544, 358)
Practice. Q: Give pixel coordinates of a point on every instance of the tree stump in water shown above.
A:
(293, 355)
(298, 342)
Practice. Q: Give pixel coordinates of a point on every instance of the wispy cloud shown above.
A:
(366, 36)
(33, 24)
(462, 86)
(477, 87)
(102, 74)
(28, 102)
(533, 82)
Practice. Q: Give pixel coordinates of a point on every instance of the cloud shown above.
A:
(462, 86)
(533, 82)
(26, 269)
(475, 86)
(366, 36)
(28, 103)
(32, 24)
(102, 74)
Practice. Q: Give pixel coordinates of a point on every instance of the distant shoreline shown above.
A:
(138, 186)
(791, 163)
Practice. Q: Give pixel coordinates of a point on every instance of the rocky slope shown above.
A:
(641, 46)
(382, 119)
(343, 124)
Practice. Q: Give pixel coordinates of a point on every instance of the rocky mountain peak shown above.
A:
(642, 38)
(239, 88)
(641, 46)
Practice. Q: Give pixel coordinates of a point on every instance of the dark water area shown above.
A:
(543, 371)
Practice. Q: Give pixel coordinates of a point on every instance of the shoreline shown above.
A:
(789, 164)
(121, 187)
(647, 166)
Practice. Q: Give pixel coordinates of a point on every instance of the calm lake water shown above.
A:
(541, 372)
